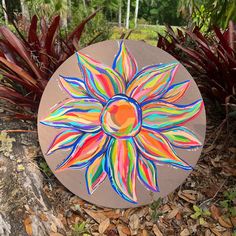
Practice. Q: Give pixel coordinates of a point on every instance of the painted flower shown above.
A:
(120, 122)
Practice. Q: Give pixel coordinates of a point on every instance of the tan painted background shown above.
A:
(169, 178)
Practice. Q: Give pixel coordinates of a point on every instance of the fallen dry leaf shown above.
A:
(43, 217)
(28, 226)
(232, 149)
(103, 225)
(225, 222)
(129, 212)
(53, 227)
(233, 220)
(216, 232)
(123, 230)
(215, 212)
(165, 208)
(185, 232)
(145, 233)
(188, 195)
(112, 214)
(208, 232)
(173, 213)
(227, 233)
(178, 216)
(97, 216)
(56, 234)
(156, 231)
(134, 222)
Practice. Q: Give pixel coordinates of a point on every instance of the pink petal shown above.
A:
(82, 114)
(88, 147)
(175, 92)
(147, 173)
(65, 139)
(181, 137)
(160, 115)
(73, 86)
(122, 157)
(151, 82)
(95, 174)
(125, 63)
(102, 82)
(155, 147)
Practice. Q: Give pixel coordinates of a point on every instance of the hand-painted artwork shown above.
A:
(120, 123)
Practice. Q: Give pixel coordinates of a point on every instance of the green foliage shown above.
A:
(6, 143)
(79, 229)
(45, 169)
(208, 13)
(220, 12)
(27, 63)
(200, 214)
(47, 8)
(202, 18)
(160, 12)
(156, 213)
(145, 33)
(95, 31)
(229, 202)
(210, 57)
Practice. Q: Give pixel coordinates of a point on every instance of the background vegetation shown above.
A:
(41, 34)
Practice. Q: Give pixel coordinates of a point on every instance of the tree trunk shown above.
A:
(69, 16)
(24, 9)
(120, 13)
(85, 7)
(64, 13)
(5, 11)
(127, 15)
(24, 206)
(136, 14)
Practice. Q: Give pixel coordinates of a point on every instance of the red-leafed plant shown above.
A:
(27, 63)
(211, 57)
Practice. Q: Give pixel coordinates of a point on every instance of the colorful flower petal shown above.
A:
(73, 86)
(65, 139)
(175, 92)
(147, 173)
(125, 63)
(155, 147)
(95, 174)
(121, 165)
(151, 82)
(101, 81)
(162, 115)
(83, 114)
(87, 148)
(182, 137)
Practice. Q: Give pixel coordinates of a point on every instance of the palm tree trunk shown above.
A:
(69, 16)
(120, 13)
(24, 9)
(85, 7)
(127, 14)
(5, 11)
(136, 14)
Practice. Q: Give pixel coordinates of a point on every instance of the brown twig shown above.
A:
(216, 193)
(20, 131)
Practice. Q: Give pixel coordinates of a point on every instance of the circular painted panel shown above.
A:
(121, 123)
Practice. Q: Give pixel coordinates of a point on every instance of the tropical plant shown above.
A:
(210, 57)
(208, 13)
(96, 30)
(200, 214)
(26, 64)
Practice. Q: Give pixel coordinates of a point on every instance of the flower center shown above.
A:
(121, 117)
